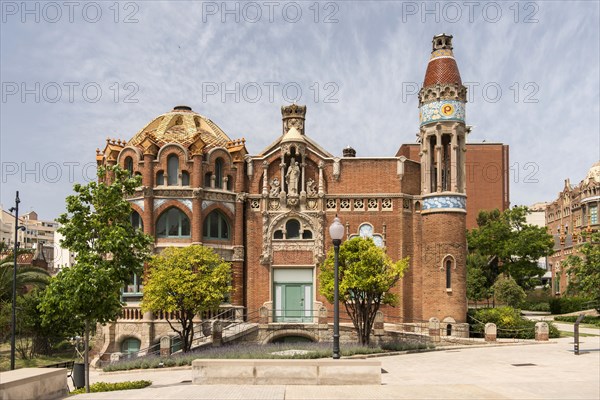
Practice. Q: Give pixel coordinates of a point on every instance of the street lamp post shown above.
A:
(14, 282)
(336, 231)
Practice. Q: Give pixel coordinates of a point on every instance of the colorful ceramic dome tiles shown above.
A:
(445, 110)
(441, 203)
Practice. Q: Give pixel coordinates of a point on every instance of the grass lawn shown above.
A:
(580, 325)
(37, 361)
(572, 334)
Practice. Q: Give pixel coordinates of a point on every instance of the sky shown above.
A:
(75, 73)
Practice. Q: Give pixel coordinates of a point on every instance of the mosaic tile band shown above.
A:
(445, 110)
(440, 202)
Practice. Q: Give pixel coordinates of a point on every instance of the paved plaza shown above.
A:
(509, 371)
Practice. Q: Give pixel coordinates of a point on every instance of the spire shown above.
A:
(443, 131)
(293, 116)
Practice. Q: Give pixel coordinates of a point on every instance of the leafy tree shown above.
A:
(366, 276)
(513, 245)
(186, 281)
(584, 269)
(478, 285)
(27, 276)
(97, 228)
(507, 291)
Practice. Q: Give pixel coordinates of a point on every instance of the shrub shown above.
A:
(109, 387)
(245, 351)
(507, 291)
(509, 323)
(536, 306)
(565, 305)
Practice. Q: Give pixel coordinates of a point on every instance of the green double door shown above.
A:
(293, 298)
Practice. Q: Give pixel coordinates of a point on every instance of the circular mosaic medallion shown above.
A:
(447, 109)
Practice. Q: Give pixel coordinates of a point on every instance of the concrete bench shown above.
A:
(286, 372)
(34, 383)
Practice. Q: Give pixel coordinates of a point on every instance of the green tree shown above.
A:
(186, 281)
(97, 228)
(478, 285)
(366, 277)
(507, 291)
(513, 246)
(584, 268)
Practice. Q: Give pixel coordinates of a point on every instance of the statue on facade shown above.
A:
(310, 187)
(275, 187)
(292, 176)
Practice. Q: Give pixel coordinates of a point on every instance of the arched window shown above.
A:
(219, 173)
(448, 273)
(292, 229)
(172, 170)
(173, 223)
(278, 234)
(160, 178)
(216, 226)
(306, 234)
(136, 220)
(130, 346)
(207, 177)
(185, 178)
(129, 165)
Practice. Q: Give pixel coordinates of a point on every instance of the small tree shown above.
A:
(478, 287)
(366, 277)
(584, 269)
(186, 281)
(109, 250)
(507, 291)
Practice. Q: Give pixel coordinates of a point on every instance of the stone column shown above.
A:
(165, 346)
(196, 222)
(542, 331)
(490, 332)
(434, 329)
(217, 333)
(453, 163)
(378, 326)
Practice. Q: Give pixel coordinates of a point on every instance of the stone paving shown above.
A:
(510, 371)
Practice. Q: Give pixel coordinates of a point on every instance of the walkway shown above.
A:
(521, 371)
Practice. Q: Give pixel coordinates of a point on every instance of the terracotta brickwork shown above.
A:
(269, 213)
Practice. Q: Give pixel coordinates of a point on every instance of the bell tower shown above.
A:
(442, 137)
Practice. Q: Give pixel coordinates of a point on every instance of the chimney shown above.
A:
(349, 152)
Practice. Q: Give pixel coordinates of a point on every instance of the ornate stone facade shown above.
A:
(569, 218)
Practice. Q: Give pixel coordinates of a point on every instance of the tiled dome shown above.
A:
(442, 66)
(183, 126)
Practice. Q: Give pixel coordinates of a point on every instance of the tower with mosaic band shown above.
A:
(442, 137)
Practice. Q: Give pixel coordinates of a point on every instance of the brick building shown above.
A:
(268, 214)
(574, 212)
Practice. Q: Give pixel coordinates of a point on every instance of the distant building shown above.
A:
(7, 227)
(62, 256)
(537, 217)
(38, 234)
(574, 212)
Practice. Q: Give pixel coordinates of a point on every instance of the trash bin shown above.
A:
(79, 375)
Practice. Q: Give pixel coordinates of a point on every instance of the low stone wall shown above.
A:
(34, 383)
(286, 372)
